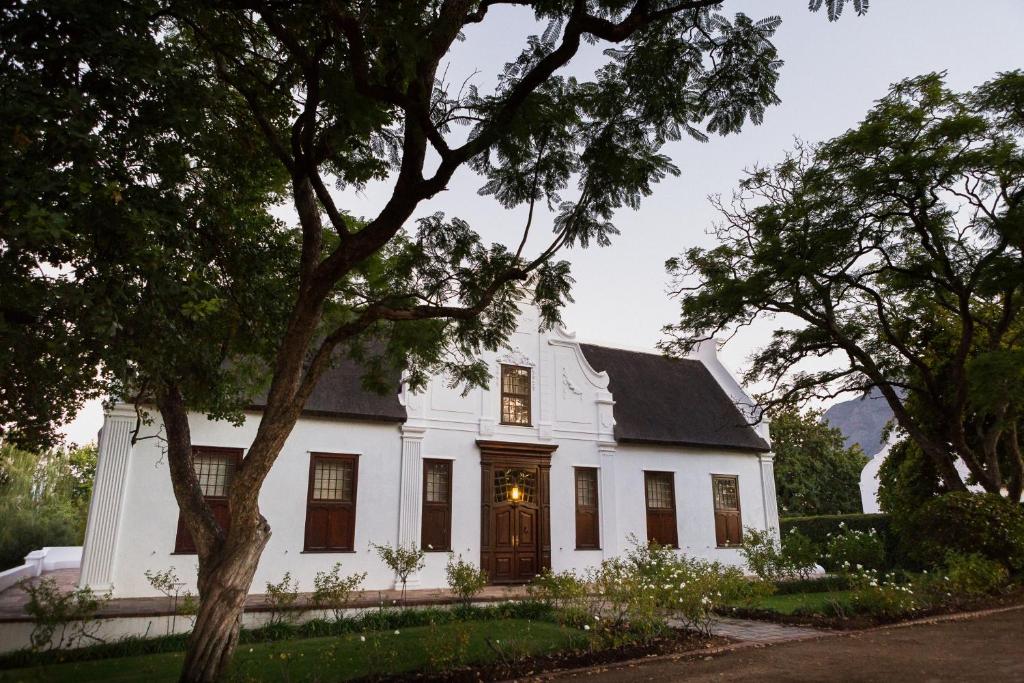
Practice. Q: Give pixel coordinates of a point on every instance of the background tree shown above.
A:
(815, 473)
(895, 251)
(157, 136)
(44, 499)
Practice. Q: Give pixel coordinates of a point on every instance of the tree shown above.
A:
(157, 137)
(897, 248)
(815, 473)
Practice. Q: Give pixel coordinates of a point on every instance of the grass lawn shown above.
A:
(337, 658)
(804, 602)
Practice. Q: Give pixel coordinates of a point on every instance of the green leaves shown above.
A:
(893, 250)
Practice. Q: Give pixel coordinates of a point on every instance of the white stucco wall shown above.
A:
(133, 518)
(150, 521)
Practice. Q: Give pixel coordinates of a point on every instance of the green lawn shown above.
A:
(804, 602)
(337, 658)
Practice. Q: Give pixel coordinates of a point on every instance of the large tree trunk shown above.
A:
(224, 581)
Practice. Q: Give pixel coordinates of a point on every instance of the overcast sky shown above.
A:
(832, 74)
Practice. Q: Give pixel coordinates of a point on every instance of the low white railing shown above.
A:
(43, 560)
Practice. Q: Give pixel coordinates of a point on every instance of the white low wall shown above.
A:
(44, 560)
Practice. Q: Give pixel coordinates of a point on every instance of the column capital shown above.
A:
(410, 432)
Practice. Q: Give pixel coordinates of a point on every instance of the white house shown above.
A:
(570, 452)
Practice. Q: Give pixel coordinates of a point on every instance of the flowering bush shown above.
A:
(854, 549)
(689, 589)
(769, 560)
(633, 597)
(883, 595)
(564, 592)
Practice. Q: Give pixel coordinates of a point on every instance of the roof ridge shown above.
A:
(634, 350)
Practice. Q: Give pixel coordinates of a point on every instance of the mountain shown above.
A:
(861, 421)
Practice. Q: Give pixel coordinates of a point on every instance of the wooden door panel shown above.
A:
(526, 565)
(728, 528)
(527, 539)
(503, 527)
(661, 528)
(503, 569)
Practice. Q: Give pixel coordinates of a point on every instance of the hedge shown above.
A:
(818, 527)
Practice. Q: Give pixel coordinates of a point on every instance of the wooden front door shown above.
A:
(515, 556)
(515, 511)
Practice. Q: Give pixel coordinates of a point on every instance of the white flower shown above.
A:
(362, 639)
(397, 632)
(586, 627)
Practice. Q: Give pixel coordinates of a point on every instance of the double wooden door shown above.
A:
(516, 551)
(515, 543)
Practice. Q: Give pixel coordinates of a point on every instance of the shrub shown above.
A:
(771, 561)
(61, 619)
(801, 553)
(168, 583)
(280, 598)
(564, 592)
(973, 575)
(690, 589)
(465, 579)
(819, 584)
(854, 549)
(332, 591)
(402, 561)
(966, 523)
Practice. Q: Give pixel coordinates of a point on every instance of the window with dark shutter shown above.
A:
(587, 536)
(215, 467)
(436, 534)
(661, 508)
(331, 503)
(728, 522)
(515, 395)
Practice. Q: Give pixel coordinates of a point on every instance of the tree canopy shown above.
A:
(892, 256)
(154, 140)
(815, 472)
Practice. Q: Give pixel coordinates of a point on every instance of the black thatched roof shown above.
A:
(658, 400)
(661, 400)
(340, 393)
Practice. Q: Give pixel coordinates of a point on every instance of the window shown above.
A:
(661, 508)
(587, 536)
(437, 505)
(331, 502)
(215, 467)
(515, 395)
(728, 524)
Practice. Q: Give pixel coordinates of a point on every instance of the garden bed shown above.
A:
(476, 644)
(834, 610)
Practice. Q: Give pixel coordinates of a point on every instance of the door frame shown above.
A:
(514, 454)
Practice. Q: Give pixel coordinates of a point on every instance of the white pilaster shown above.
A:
(771, 505)
(409, 503)
(107, 503)
(608, 500)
